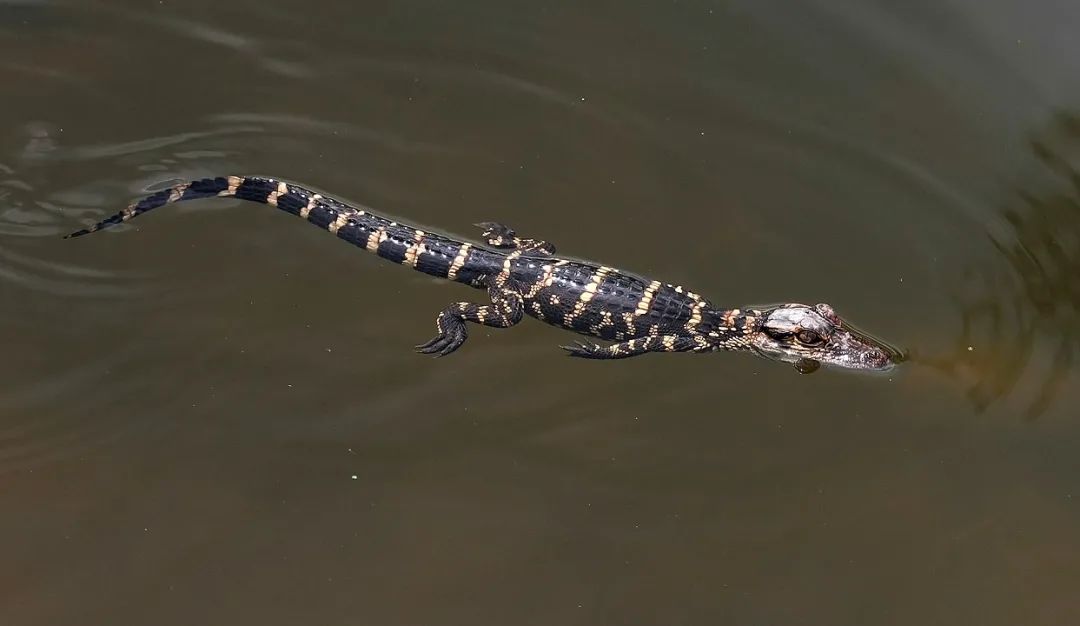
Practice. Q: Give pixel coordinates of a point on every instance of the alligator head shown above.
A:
(809, 336)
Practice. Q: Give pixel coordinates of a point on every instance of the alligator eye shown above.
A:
(809, 338)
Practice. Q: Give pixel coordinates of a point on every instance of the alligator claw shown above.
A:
(582, 349)
(443, 344)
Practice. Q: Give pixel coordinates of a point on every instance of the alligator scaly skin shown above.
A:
(521, 277)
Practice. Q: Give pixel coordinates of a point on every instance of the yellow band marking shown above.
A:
(579, 307)
(544, 281)
(459, 261)
(281, 190)
(585, 296)
(646, 298)
(413, 252)
(374, 239)
(178, 191)
(507, 267)
(234, 183)
(338, 223)
(695, 315)
(594, 283)
(312, 201)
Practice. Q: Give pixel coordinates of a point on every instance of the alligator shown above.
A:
(524, 276)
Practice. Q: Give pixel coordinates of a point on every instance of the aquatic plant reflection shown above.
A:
(1020, 325)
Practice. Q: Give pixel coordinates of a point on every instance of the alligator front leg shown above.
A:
(505, 310)
(502, 236)
(634, 347)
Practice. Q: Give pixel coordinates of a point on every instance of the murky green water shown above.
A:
(216, 417)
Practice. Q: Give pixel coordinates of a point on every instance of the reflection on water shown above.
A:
(1021, 322)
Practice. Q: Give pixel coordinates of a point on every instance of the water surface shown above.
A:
(215, 415)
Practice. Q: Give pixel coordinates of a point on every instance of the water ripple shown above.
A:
(343, 130)
(60, 279)
(235, 41)
(1020, 328)
(47, 148)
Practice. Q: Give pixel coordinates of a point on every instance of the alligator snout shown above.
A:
(876, 358)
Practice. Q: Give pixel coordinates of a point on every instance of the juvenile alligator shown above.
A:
(524, 277)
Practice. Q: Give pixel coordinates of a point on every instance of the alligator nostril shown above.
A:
(874, 357)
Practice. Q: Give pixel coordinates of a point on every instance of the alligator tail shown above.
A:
(430, 253)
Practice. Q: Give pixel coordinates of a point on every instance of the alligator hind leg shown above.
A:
(502, 236)
(634, 347)
(505, 310)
